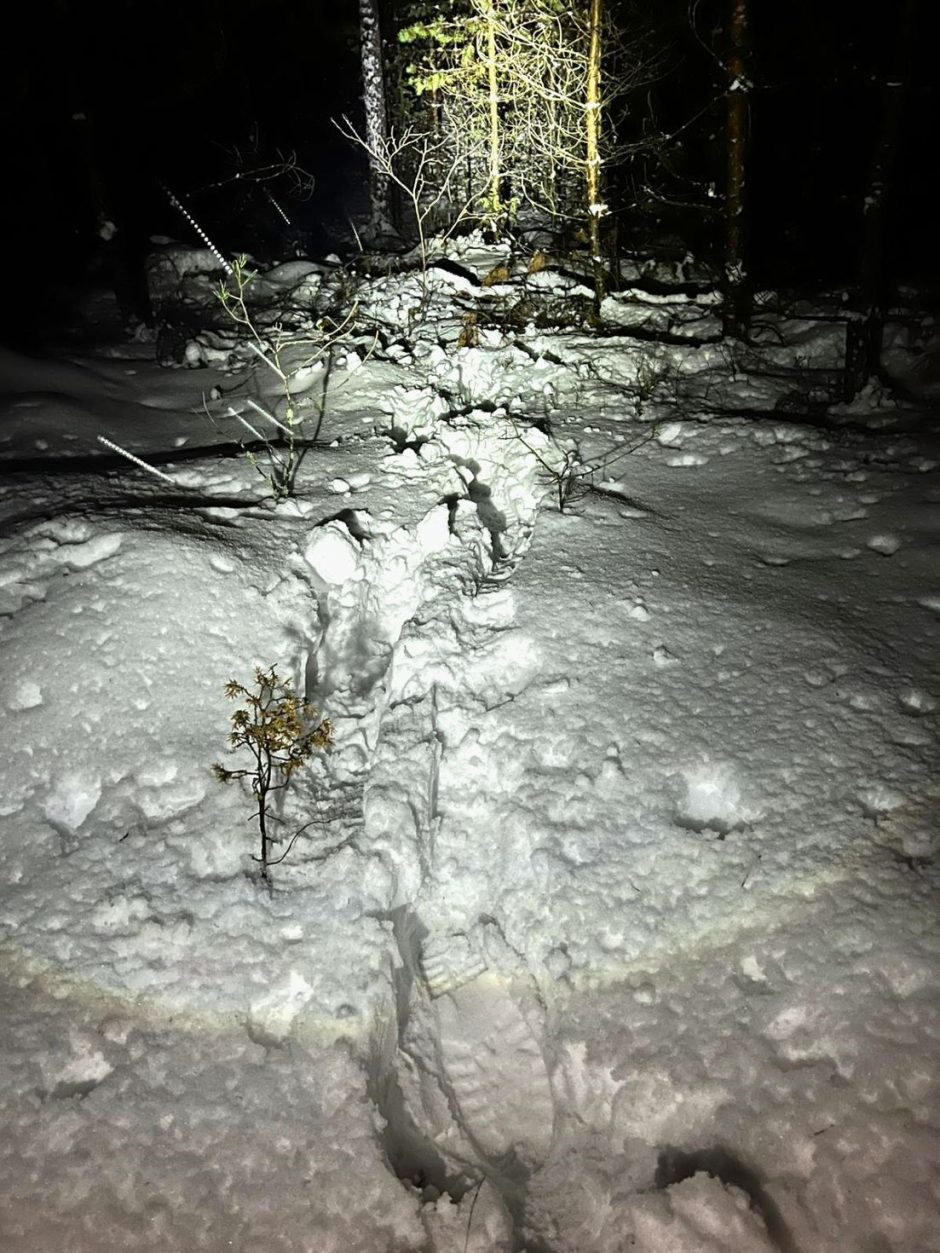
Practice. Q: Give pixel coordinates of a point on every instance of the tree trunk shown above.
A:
(494, 207)
(865, 330)
(373, 99)
(736, 312)
(592, 149)
(103, 232)
(265, 839)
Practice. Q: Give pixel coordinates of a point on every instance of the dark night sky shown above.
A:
(167, 85)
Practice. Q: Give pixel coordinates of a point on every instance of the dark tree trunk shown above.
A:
(373, 99)
(865, 330)
(736, 312)
(103, 230)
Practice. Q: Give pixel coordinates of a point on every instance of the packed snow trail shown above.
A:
(413, 624)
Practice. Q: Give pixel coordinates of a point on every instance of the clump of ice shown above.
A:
(84, 1070)
(684, 460)
(879, 799)
(25, 694)
(916, 702)
(885, 544)
(81, 556)
(668, 434)
(72, 799)
(698, 1215)
(712, 800)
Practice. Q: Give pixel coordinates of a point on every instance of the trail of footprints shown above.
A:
(489, 1028)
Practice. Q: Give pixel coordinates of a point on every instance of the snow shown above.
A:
(613, 925)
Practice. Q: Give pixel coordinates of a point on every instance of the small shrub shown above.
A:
(498, 274)
(651, 373)
(469, 336)
(288, 355)
(281, 732)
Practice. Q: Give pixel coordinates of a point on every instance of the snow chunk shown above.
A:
(880, 799)
(162, 796)
(712, 800)
(72, 800)
(450, 278)
(554, 280)
(668, 434)
(157, 773)
(351, 483)
(26, 694)
(915, 702)
(82, 1073)
(886, 544)
(698, 1215)
(753, 971)
(415, 411)
(685, 459)
(478, 1223)
(333, 554)
(433, 532)
(81, 556)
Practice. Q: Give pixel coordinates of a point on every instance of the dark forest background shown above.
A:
(167, 89)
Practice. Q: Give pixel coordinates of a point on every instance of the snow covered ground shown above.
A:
(615, 927)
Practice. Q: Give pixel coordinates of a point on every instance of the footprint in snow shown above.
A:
(489, 1046)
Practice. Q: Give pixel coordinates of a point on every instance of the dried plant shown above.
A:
(281, 732)
(288, 354)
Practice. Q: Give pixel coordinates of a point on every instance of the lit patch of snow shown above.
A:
(24, 694)
(687, 459)
(917, 702)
